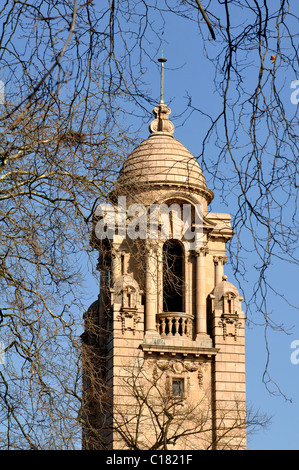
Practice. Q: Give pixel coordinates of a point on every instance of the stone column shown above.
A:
(150, 292)
(116, 264)
(125, 262)
(160, 279)
(188, 283)
(200, 292)
(201, 303)
(104, 291)
(219, 263)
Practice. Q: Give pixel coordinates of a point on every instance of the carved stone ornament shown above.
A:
(161, 123)
(230, 324)
(220, 259)
(178, 367)
(200, 377)
(129, 320)
(126, 292)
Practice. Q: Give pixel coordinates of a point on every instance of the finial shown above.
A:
(161, 122)
(162, 60)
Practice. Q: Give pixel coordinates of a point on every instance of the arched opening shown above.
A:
(173, 276)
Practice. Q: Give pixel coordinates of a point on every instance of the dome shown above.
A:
(162, 160)
(225, 287)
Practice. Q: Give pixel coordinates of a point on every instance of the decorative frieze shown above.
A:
(173, 367)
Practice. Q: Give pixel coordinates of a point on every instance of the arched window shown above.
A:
(173, 276)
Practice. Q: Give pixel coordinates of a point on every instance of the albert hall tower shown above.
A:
(163, 348)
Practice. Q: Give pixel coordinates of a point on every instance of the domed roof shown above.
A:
(162, 160)
(225, 287)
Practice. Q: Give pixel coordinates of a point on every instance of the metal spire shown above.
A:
(161, 122)
(162, 60)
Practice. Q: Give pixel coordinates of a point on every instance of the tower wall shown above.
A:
(229, 387)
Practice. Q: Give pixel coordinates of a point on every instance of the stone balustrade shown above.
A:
(174, 324)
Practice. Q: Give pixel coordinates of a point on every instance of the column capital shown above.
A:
(115, 252)
(220, 259)
(202, 251)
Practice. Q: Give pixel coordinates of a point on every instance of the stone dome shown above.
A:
(225, 287)
(162, 160)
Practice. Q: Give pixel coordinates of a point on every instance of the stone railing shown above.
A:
(174, 324)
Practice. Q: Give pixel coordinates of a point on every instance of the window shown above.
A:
(178, 388)
(173, 272)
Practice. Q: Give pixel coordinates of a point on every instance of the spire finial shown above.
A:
(161, 122)
(162, 60)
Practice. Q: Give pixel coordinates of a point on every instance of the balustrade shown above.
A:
(174, 324)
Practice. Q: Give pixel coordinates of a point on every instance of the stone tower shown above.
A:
(164, 345)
